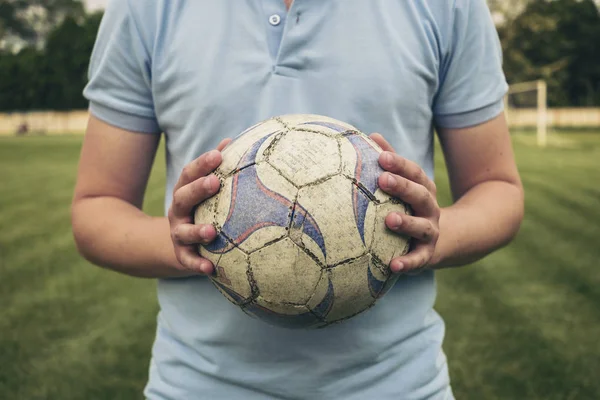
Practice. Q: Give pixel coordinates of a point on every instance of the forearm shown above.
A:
(114, 234)
(484, 219)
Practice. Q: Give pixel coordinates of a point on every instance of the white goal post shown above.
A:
(541, 106)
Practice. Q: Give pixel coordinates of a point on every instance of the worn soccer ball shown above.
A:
(302, 241)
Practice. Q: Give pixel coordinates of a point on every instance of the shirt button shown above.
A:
(274, 19)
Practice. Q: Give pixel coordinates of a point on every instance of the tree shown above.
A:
(30, 21)
(557, 41)
(67, 55)
(505, 11)
(51, 78)
(11, 22)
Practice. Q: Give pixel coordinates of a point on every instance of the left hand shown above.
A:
(408, 182)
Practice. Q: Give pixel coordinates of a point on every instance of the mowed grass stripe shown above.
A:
(106, 319)
(76, 331)
(37, 268)
(573, 220)
(575, 184)
(521, 324)
(19, 189)
(546, 262)
(523, 287)
(542, 281)
(32, 221)
(539, 278)
(500, 351)
(553, 290)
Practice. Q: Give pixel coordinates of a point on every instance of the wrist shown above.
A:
(446, 242)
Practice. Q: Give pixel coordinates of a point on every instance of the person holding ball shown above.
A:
(202, 71)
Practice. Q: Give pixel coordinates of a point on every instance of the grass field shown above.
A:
(521, 324)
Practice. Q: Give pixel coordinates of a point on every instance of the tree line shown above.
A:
(45, 46)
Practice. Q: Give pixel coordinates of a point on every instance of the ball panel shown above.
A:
(378, 275)
(382, 197)
(260, 236)
(282, 315)
(323, 297)
(237, 153)
(214, 210)
(391, 281)
(360, 160)
(305, 232)
(330, 205)
(230, 294)
(276, 184)
(369, 225)
(349, 157)
(385, 244)
(363, 210)
(284, 273)
(258, 152)
(326, 125)
(255, 214)
(351, 285)
(305, 157)
(231, 274)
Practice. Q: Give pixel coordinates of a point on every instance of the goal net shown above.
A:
(526, 107)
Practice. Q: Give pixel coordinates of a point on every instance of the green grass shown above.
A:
(522, 324)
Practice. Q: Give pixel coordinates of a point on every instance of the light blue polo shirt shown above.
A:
(203, 70)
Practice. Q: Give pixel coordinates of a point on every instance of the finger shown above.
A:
(187, 234)
(419, 228)
(380, 140)
(190, 260)
(420, 199)
(198, 168)
(192, 194)
(224, 143)
(414, 260)
(395, 164)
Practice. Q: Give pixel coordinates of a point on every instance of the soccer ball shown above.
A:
(302, 241)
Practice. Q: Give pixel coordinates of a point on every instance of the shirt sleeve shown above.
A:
(119, 88)
(472, 83)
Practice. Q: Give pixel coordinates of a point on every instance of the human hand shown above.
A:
(195, 185)
(408, 182)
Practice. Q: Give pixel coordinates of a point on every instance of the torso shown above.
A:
(373, 64)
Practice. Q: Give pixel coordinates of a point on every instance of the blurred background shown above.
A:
(522, 324)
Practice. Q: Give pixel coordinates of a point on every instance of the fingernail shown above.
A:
(386, 157)
(397, 266)
(389, 180)
(212, 155)
(203, 232)
(206, 268)
(208, 185)
(396, 221)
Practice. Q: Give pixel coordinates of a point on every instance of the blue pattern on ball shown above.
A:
(366, 173)
(236, 297)
(245, 217)
(375, 285)
(330, 125)
(301, 219)
(323, 308)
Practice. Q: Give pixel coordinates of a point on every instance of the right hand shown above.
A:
(195, 185)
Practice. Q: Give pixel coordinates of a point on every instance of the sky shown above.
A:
(95, 4)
